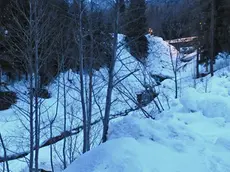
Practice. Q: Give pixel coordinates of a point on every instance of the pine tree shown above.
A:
(136, 18)
(136, 28)
(214, 29)
(223, 25)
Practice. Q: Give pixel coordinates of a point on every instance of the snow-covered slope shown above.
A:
(193, 135)
(186, 136)
(179, 141)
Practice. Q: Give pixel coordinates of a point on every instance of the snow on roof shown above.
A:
(182, 40)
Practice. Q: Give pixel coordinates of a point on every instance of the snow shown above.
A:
(190, 99)
(215, 106)
(210, 104)
(191, 134)
(186, 142)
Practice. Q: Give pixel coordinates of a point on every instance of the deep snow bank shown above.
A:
(209, 104)
(124, 96)
(177, 142)
(193, 136)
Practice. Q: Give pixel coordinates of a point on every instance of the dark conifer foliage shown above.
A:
(136, 19)
(221, 27)
(189, 19)
(58, 51)
(102, 42)
(136, 28)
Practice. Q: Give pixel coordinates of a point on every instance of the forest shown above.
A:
(65, 76)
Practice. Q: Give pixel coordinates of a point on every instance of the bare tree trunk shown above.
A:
(176, 76)
(111, 75)
(36, 78)
(90, 96)
(31, 93)
(176, 85)
(31, 124)
(174, 68)
(51, 147)
(51, 123)
(5, 155)
(0, 76)
(197, 63)
(84, 115)
(89, 114)
(30, 23)
(65, 113)
(212, 37)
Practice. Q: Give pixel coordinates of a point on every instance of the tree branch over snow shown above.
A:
(63, 135)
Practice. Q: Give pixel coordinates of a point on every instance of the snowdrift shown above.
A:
(177, 142)
(194, 135)
(187, 137)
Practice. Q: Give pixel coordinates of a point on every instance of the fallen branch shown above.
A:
(63, 135)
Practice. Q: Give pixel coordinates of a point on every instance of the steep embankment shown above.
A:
(171, 142)
(193, 135)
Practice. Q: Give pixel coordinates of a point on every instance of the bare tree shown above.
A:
(111, 74)
(90, 86)
(30, 29)
(5, 154)
(175, 69)
(212, 37)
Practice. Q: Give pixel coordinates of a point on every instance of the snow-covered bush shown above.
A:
(190, 99)
(109, 157)
(219, 86)
(222, 60)
(130, 127)
(215, 106)
(209, 104)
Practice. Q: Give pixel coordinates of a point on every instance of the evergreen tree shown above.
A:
(136, 18)
(102, 42)
(221, 28)
(136, 28)
(122, 9)
(223, 25)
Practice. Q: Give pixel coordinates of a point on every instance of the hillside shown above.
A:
(193, 135)
(185, 135)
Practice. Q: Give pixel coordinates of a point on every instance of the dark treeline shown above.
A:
(206, 19)
(57, 34)
(186, 18)
(221, 23)
(59, 24)
(39, 39)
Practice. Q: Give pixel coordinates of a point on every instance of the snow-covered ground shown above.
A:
(194, 135)
(179, 141)
(191, 134)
